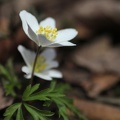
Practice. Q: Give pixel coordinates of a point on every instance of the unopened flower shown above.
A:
(44, 65)
(45, 33)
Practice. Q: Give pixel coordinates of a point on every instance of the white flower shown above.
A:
(45, 33)
(45, 63)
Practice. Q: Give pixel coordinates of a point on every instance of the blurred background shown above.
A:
(92, 67)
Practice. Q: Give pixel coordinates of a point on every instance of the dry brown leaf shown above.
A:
(99, 83)
(9, 45)
(75, 76)
(97, 17)
(98, 56)
(4, 23)
(4, 100)
(97, 111)
(83, 30)
(92, 84)
(95, 12)
(102, 60)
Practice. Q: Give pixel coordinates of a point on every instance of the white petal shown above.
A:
(52, 64)
(67, 44)
(43, 41)
(30, 20)
(55, 73)
(32, 35)
(27, 55)
(24, 23)
(55, 45)
(48, 22)
(25, 69)
(62, 44)
(49, 54)
(66, 35)
(43, 76)
(28, 76)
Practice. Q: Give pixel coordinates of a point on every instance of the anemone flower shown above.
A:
(45, 33)
(44, 65)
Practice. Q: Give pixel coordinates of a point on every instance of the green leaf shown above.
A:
(61, 107)
(9, 79)
(44, 95)
(29, 90)
(60, 87)
(65, 103)
(38, 114)
(52, 85)
(63, 112)
(11, 110)
(76, 111)
(4, 72)
(26, 92)
(19, 114)
(55, 93)
(47, 103)
(9, 87)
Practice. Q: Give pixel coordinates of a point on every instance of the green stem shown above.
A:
(38, 50)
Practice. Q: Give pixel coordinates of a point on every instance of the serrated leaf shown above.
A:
(52, 85)
(69, 104)
(9, 87)
(77, 112)
(26, 92)
(47, 103)
(62, 88)
(43, 95)
(61, 107)
(38, 114)
(29, 90)
(34, 88)
(49, 95)
(11, 110)
(65, 103)
(9, 79)
(3, 71)
(44, 92)
(19, 114)
(63, 112)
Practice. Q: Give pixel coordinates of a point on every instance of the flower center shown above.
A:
(49, 32)
(40, 64)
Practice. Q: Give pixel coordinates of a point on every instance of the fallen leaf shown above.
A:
(97, 17)
(98, 56)
(94, 67)
(4, 100)
(9, 45)
(97, 14)
(75, 76)
(4, 27)
(99, 83)
(83, 30)
(96, 110)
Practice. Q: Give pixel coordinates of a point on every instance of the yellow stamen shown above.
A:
(40, 64)
(49, 32)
